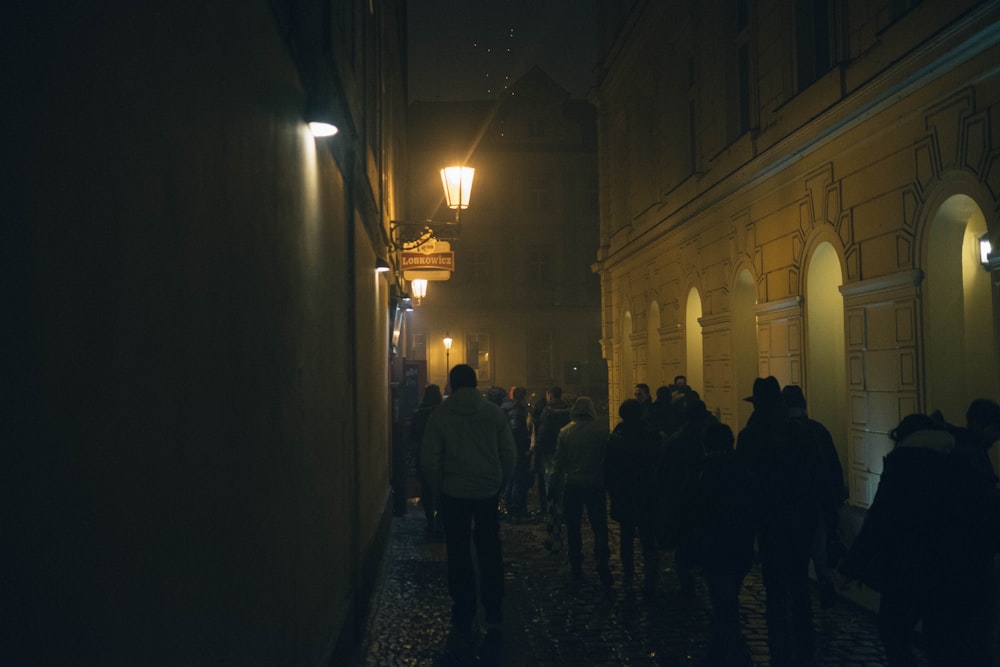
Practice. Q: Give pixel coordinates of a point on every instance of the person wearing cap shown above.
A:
(579, 468)
(826, 545)
(786, 478)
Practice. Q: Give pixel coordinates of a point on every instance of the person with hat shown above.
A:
(826, 545)
(786, 477)
(578, 467)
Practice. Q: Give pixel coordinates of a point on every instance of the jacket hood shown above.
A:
(464, 401)
(941, 442)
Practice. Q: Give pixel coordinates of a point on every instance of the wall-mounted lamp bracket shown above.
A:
(412, 235)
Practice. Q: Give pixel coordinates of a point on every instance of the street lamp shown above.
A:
(418, 287)
(457, 183)
(447, 353)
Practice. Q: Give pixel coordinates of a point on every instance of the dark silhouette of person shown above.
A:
(682, 456)
(631, 464)
(721, 498)
(517, 491)
(579, 468)
(787, 475)
(552, 418)
(468, 453)
(927, 546)
(431, 400)
(826, 546)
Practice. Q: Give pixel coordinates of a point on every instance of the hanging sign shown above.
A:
(433, 260)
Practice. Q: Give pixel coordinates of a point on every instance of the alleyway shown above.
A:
(549, 621)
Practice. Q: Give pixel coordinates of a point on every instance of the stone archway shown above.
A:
(745, 350)
(826, 356)
(694, 357)
(960, 350)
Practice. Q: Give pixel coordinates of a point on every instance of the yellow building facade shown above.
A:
(800, 189)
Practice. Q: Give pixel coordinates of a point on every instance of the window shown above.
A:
(539, 269)
(573, 373)
(480, 269)
(478, 354)
(744, 79)
(418, 346)
(536, 128)
(541, 351)
(812, 40)
(538, 191)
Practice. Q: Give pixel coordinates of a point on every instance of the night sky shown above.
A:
(474, 49)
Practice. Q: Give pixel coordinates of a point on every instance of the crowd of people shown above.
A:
(675, 478)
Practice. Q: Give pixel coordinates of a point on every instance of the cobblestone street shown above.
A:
(550, 621)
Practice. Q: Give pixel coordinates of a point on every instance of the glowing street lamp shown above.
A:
(447, 353)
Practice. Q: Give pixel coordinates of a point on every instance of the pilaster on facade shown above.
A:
(719, 392)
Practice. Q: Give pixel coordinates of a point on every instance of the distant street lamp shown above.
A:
(447, 353)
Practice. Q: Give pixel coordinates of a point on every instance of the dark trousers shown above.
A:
(647, 538)
(726, 645)
(468, 520)
(954, 633)
(517, 491)
(784, 563)
(543, 468)
(575, 498)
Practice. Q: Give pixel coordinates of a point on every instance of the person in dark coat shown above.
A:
(787, 475)
(516, 409)
(431, 400)
(631, 462)
(721, 497)
(682, 456)
(826, 545)
(927, 545)
(551, 419)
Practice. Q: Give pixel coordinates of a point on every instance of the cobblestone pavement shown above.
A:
(550, 621)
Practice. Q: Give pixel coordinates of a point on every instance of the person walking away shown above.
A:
(826, 546)
(431, 400)
(682, 456)
(552, 418)
(516, 409)
(579, 466)
(468, 453)
(630, 468)
(927, 546)
(721, 495)
(787, 475)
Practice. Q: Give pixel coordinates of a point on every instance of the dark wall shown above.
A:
(180, 447)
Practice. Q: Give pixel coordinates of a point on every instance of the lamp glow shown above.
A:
(985, 248)
(321, 129)
(457, 182)
(419, 288)
(381, 266)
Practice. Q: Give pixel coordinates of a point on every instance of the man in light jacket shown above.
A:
(468, 453)
(579, 466)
